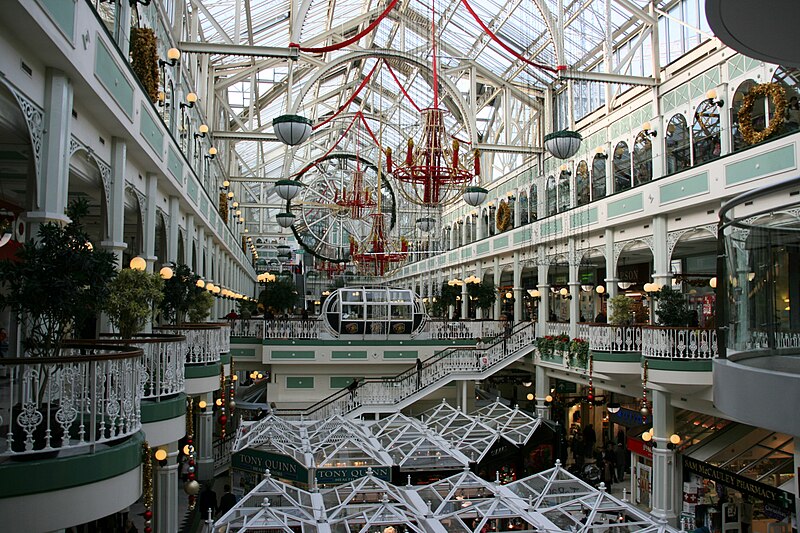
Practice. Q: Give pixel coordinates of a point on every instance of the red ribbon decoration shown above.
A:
(402, 89)
(351, 40)
(349, 100)
(505, 47)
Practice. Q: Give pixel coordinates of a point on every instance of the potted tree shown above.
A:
(179, 292)
(133, 299)
(55, 283)
(200, 305)
(621, 313)
(280, 294)
(671, 310)
(485, 294)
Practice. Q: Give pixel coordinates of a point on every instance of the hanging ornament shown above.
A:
(645, 405)
(191, 487)
(147, 486)
(285, 219)
(590, 393)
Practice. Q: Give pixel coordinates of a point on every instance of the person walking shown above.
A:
(207, 501)
(352, 388)
(227, 501)
(419, 373)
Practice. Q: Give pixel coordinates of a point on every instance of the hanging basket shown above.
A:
(563, 144)
(474, 195)
(292, 129)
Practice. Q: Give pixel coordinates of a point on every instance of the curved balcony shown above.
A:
(759, 292)
(616, 350)
(88, 396)
(462, 329)
(162, 361)
(204, 342)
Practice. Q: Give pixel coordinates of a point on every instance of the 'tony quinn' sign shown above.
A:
(761, 491)
(284, 467)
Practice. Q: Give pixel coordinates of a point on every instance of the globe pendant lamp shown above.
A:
(287, 189)
(563, 144)
(292, 129)
(285, 219)
(475, 195)
(426, 224)
(284, 251)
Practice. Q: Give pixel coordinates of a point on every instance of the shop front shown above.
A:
(742, 480)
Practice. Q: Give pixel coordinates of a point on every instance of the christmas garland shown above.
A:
(778, 96)
(144, 59)
(223, 207)
(503, 216)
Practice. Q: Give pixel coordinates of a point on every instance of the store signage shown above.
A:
(627, 417)
(639, 448)
(280, 466)
(763, 492)
(346, 475)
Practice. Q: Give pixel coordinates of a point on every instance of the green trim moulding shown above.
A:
(299, 382)
(153, 411)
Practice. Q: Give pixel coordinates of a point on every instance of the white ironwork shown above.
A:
(558, 328)
(204, 342)
(90, 395)
(608, 338)
(679, 343)
(463, 329)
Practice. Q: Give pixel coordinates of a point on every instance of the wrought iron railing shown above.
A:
(558, 328)
(463, 329)
(203, 341)
(610, 338)
(444, 364)
(89, 395)
(289, 328)
(679, 343)
(162, 362)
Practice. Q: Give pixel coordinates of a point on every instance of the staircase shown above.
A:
(376, 395)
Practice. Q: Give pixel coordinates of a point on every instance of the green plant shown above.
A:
(179, 292)
(199, 306)
(443, 299)
(671, 309)
(579, 351)
(246, 308)
(132, 299)
(280, 294)
(485, 293)
(56, 282)
(546, 346)
(621, 313)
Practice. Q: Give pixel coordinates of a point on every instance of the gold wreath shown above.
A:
(773, 91)
(503, 216)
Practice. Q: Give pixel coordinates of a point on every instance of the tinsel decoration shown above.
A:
(590, 393)
(645, 407)
(223, 418)
(144, 59)
(191, 487)
(223, 206)
(147, 486)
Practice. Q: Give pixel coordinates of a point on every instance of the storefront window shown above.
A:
(564, 193)
(582, 183)
(551, 196)
(642, 159)
(789, 78)
(677, 145)
(598, 177)
(706, 132)
(622, 167)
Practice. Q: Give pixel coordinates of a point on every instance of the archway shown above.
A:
(530, 280)
(758, 115)
(678, 153)
(160, 240)
(622, 167)
(642, 159)
(86, 184)
(706, 132)
(693, 263)
(558, 279)
(634, 268)
(18, 187)
(591, 273)
(599, 176)
(132, 231)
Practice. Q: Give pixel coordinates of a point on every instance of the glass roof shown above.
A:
(477, 69)
(553, 501)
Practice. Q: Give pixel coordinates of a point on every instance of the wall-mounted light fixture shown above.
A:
(191, 98)
(173, 58)
(711, 98)
(203, 130)
(647, 130)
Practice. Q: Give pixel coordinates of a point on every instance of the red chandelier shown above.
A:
(433, 173)
(330, 268)
(358, 198)
(380, 257)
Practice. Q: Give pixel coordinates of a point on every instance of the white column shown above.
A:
(611, 268)
(574, 290)
(518, 289)
(201, 256)
(150, 221)
(542, 389)
(479, 275)
(661, 270)
(498, 301)
(122, 27)
(166, 492)
(204, 438)
(116, 210)
(544, 291)
(664, 464)
(174, 219)
(190, 231)
(464, 295)
(52, 184)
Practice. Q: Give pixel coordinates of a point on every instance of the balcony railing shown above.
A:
(203, 341)
(609, 338)
(89, 395)
(277, 328)
(759, 340)
(558, 328)
(162, 362)
(679, 343)
(463, 329)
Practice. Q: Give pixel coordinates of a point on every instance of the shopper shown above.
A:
(227, 501)
(207, 501)
(419, 373)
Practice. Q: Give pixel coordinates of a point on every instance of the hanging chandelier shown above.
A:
(433, 173)
(382, 255)
(330, 268)
(358, 198)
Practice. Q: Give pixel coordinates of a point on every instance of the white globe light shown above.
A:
(292, 129)
(285, 219)
(138, 263)
(474, 195)
(166, 272)
(287, 189)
